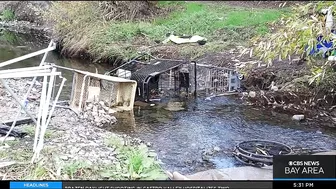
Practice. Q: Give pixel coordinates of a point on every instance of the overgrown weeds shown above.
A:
(8, 37)
(138, 162)
(84, 29)
(7, 15)
(30, 129)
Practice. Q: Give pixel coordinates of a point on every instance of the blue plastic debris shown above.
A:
(323, 46)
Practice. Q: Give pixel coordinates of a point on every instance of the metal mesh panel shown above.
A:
(159, 66)
(168, 83)
(108, 93)
(212, 80)
(78, 81)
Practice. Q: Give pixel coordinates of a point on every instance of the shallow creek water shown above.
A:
(180, 138)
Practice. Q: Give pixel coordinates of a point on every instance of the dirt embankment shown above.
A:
(27, 15)
(26, 10)
(282, 86)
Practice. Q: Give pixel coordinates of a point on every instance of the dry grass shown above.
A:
(106, 30)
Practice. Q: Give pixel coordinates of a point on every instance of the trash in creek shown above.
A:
(259, 153)
(185, 39)
(49, 74)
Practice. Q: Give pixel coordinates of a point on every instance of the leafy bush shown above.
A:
(7, 15)
(297, 35)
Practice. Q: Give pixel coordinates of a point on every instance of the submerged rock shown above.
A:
(217, 149)
(140, 103)
(252, 94)
(175, 106)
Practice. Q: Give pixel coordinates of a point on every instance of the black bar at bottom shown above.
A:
(4, 184)
(189, 184)
(168, 185)
(303, 184)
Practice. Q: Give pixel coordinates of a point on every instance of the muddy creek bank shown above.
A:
(198, 138)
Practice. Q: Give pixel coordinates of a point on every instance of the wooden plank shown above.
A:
(21, 121)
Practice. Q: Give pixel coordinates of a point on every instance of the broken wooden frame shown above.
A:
(48, 73)
(117, 93)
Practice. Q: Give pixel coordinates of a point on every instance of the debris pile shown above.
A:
(99, 114)
(259, 153)
(10, 76)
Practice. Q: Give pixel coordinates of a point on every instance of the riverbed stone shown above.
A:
(99, 116)
(217, 149)
(298, 117)
(101, 112)
(102, 103)
(140, 103)
(175, 106)
(148, 144)
(235, 173)
(252, 94)
(64, 157)
(95, 109)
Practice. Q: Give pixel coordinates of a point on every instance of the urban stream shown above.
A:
(182, 138)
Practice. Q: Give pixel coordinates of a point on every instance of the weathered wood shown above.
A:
(15, 133)
(21, 121)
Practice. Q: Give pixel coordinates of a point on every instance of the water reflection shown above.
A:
(14, 45)
(182, 137)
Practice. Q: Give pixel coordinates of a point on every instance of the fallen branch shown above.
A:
(332, 108)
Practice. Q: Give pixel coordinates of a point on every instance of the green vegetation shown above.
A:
(133, 162)
(7, 15)
(297, 32)
(138, 162)
(84, 29)
(30, 129)
(8, 37)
